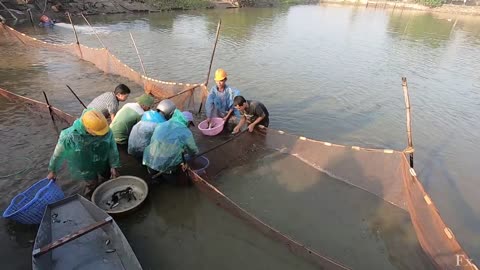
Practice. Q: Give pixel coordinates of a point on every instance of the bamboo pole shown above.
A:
(409, 120)
(73, 26)
(79, 100)
(211, 59)
(31, 17)
(49, 107)
(9, 11)
(95, 32)
(138, 54)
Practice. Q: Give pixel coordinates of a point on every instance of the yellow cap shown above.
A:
(220, 74)
(95, 123)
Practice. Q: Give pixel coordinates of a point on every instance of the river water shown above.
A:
(329, 73)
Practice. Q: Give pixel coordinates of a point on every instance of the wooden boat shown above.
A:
(76, 234)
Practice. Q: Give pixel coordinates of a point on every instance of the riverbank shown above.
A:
(447, 8)
(56, 8)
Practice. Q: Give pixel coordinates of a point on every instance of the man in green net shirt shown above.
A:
(89, 149)
(128, 116)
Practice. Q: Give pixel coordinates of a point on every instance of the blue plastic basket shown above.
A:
(28, 206)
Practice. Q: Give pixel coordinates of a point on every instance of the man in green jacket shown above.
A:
(88, 148)
(128, 116)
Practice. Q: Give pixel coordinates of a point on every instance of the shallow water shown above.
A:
(330, 73)
(328, 215)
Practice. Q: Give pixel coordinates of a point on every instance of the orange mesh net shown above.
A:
(384, 173)
(183, 94)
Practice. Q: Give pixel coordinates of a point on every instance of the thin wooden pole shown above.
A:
(211, 59)
(9, 11)
(49, 107)
(95, 32)
(213, 53)
(138, 54)
(73, 26)
(409, 120)
(31, 17)
(79, 100)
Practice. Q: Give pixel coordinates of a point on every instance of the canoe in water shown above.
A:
(76, 234)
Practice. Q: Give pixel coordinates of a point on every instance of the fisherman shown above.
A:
(128, 116)
(220, 98)
(107, 103)
(171, 140)
(252, 112)
(142, 133)
(45, 21)
(89, 149)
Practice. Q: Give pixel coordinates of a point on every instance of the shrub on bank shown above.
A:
(179, 4)
(431, 3)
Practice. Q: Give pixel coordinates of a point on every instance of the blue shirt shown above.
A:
(218, 104)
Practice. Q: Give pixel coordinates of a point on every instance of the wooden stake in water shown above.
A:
(409, 120)
(73, 26)
(49, 107)
(93, 29)
(211, 58)
(138, 54)
(79, 100)
(31, 17)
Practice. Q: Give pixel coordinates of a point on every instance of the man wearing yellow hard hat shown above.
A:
(220, 98)
(89, 149)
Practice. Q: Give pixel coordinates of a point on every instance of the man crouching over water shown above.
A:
(253, 112)
(90, 150)
(164, 155)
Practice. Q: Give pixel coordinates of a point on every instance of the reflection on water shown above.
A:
(331, 73)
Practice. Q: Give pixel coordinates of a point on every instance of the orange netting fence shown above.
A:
(384, 173)
(184, 95)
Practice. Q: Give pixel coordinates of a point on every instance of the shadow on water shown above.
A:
(338, 220)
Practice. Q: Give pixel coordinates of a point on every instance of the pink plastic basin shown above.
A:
(216, 126)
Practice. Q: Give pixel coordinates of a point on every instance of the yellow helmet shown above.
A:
(220, 74)
(95, 123)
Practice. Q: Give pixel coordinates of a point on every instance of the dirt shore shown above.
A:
(56, 8)
(447, 8)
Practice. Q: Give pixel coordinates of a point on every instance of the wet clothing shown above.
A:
(87, 156)
(124, 121)
(140, 137)
(107, 103)
(256, 109)
(219, 103)
(46, 24)
(169, 141)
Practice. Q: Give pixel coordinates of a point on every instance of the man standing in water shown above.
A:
(253, 112)
(90, 150)
(107, 103)
(220, 98)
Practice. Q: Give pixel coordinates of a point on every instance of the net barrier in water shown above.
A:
(184, 95)
(384, 173)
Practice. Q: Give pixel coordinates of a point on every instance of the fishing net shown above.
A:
(187, 96)
(385, 174)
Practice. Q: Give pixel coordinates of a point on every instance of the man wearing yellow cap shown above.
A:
(128, 116)
(89, 149)
(220, 98)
